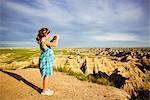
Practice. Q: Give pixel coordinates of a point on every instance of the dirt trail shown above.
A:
(26, 84)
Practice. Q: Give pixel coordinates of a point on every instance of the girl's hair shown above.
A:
(42, 33)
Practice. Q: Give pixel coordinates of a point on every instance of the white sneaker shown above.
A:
(48, 92)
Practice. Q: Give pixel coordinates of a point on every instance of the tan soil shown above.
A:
(24, 84)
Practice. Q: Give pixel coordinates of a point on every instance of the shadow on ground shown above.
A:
(20, 78)
(117, 79)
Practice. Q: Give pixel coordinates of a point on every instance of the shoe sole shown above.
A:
(48, 95)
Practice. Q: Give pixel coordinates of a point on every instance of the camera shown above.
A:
(55, 37)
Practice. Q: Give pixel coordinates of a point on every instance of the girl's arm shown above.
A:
(54, 38)
(53, 43)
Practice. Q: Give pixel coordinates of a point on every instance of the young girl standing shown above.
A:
(46, 59)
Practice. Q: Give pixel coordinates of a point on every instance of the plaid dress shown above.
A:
(46, 61)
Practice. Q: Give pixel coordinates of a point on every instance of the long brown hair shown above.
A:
(42, 33)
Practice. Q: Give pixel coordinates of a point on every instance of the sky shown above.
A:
(79, 23)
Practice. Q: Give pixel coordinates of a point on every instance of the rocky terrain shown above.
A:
(127, 68)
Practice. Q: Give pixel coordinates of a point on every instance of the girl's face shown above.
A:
(48, 35)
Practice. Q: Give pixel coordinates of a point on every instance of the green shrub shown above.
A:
(32, 66)
(63, 69)
(91, 78)
(103, 81)
(69, 71)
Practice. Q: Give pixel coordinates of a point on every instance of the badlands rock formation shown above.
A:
(132, 64)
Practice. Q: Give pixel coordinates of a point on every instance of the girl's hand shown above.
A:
(56, 37)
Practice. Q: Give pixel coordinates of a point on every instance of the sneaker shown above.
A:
(48, 92)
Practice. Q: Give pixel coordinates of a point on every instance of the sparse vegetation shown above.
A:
(83, 77)
(19, 54)
(68, 71)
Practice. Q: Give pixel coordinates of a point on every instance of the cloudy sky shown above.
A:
(80, 23)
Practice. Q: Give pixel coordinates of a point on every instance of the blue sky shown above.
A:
(80, 23)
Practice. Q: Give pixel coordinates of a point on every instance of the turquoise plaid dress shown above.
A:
(46, 61)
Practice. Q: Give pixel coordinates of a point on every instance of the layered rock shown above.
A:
(132, 64)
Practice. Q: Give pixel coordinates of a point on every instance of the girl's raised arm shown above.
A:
(53, 43)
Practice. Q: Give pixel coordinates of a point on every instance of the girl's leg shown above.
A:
(45, 83)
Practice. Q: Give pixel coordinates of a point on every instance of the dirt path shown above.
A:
(26, 84)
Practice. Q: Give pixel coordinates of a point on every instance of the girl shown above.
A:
(46, 59)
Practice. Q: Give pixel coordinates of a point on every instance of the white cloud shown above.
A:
(90, 13)
(80, 17)
(116, 37)
(47, 11)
